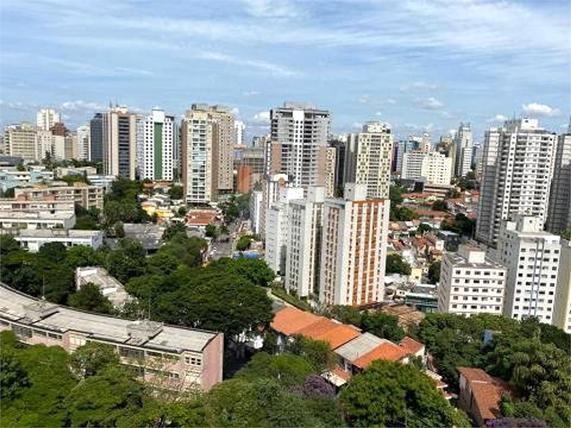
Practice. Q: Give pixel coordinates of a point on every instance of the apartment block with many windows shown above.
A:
(532, 258)
(353, 248)
(470, 284)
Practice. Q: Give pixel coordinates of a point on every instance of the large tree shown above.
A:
(395, 394)
(90, 298)
(396, 264)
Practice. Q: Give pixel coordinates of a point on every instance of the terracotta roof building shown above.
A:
(480, 394)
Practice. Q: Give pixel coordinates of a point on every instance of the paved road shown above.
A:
(225, 249)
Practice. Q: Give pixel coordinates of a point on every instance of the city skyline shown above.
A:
(418, 66)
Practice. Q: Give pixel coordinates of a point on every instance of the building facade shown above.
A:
(87, 196)
(305, 222)
(47, 118)
(463, 142)
(277, 229)
(435, 167)
(559, 214)
(207, 135)
(532, 258)
(83, 143)
(301, 131)
(157, 146)
(470, 284)
(368, 159)
(21, 140)
(517, 173)
(562, 310)
(119, 138)
(353, 248)
(165, 356)
(96, 138)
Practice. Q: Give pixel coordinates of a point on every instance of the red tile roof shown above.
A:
(289, 320)
(410, 345)
(487, 391)
(385, 351)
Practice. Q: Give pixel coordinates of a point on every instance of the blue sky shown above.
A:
(419, 65)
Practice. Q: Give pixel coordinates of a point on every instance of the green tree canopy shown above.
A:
(90, 298)
(287, 369)
(396, 264)
(92, 358)
(391, 394)
(382, 325)
(434, 272)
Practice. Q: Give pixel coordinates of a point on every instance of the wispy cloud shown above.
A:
(251, 63)
(418, 86)
(429, 103)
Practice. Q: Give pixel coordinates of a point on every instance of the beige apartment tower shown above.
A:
(368, 158)
(120, 127)
(353, 248)
(207, 135)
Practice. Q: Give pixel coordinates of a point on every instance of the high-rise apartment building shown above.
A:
(96, 138)
(353, 248)
(271, 186)
(463, 143)
(256, 210)
(532, 258)
(47, 118)
(277, 229)
(330, 169)
(517, 172)
(562, 310)
(470, 284)
(239, 128)
(120, 129)
(207, 135)
(434, 166)
(83, 151)
(156, 151)
(21, 140)
(301, 131)
(305, 221)
(368, 159)
(340, 150)
(402, 147)
(559, 214)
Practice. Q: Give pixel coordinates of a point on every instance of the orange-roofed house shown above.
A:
(290, 321)
(480, 394)
(385, 351)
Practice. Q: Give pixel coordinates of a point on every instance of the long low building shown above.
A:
(47, 204)
(36, 220)
(33, 239)
(82, 194)
(167, 356)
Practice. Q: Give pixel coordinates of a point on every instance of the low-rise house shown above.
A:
(33, 239)
(480, 394)
(31, 220)
(166, 356)
(108, 285)
(87, 196)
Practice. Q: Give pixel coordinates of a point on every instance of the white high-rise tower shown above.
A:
(517, 172)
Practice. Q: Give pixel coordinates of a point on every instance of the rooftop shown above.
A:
(54, 233)
(385, 351)
(359, 346)
(17, 215)
(487, 391)
(291, 321)
(174, 339)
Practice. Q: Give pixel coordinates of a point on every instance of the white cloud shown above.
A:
(251, 93)
(497, 118)
(540, 110)
(430, 103)
(81, 105)
(252, 63)
(365, 99)
(261, 118)
(357, 125)
(379, 113)
(418, 86)
(268, 9)
(391, 101)
(235, 111)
